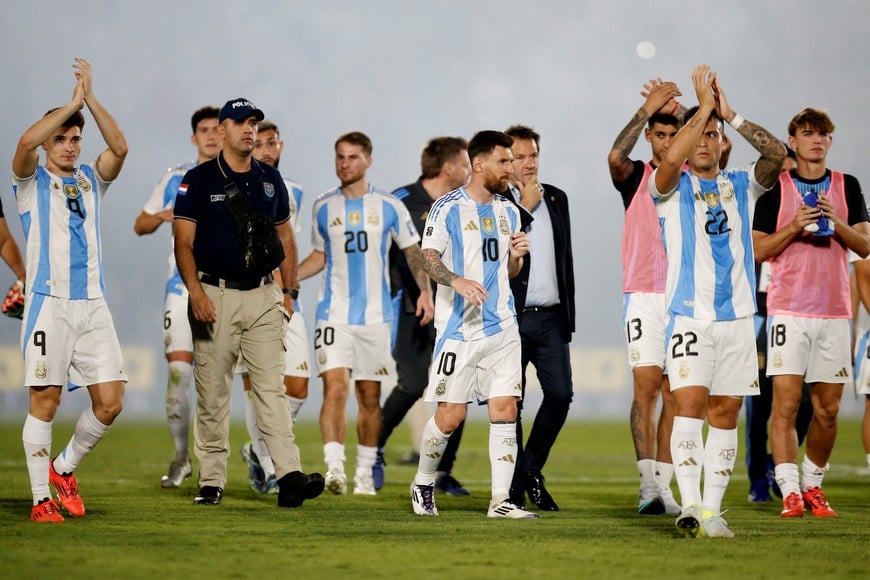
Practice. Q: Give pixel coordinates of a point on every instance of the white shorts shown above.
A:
(364, 349)
(862, 364)
(176, 326)
(483, 369)
(645, 316)
(717, 354)
(817, 349)
(69, 342)
(295, 350)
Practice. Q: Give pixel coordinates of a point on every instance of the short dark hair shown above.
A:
(439, 151)
(267, 125)
(664, 119)
(713, 115)
(524, 132)
(357, 138)
(484, 142)
(812, 118)
(74, 120)
(207, 112)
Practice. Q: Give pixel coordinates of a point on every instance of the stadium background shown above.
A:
(404, 72)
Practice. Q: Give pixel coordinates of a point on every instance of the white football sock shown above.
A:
(365, 459)
(664, 474)
(787, 478)
(88, 432)
(333, 456)
(431, 449)
(720, 454)
(502, 457)
(36, 437)
(646, 468)
(687, 451)
(294, 405)
(178, 405)
(812, 474)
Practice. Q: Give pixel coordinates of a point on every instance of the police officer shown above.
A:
(236, 306)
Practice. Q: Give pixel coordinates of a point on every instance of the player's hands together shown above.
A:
(472, 291)
(82, 69)
(425, 308)
(660, 96)
(805, 216)
(519, 245)
(723, 107)
(826, 209)
(13, 304)
(703, 80)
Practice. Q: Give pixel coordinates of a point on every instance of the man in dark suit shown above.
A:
(544, 296)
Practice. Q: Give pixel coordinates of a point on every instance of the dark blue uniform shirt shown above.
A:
(216, 247)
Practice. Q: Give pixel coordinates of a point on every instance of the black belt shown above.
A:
(554, 308)
(245, 285)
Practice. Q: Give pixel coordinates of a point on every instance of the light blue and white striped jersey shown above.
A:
(708, 239)
(295, 191)
(163, 198)
(356, 235)
(474, 242)
(61, 221)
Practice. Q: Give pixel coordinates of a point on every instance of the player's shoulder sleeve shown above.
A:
(24, 188)
(90, 169)
(663, 195)
(854, 200)
(319, 219)
(406, 233)
(436, 233)
(767, 210)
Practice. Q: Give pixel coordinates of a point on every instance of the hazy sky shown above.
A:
(403, 72)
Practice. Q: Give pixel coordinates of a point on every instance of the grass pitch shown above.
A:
(135, 529)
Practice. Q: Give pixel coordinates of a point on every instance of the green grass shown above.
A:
(134, 529)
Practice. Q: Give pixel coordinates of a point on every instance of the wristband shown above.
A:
(736, 121)
(676, 107)
(293, 292)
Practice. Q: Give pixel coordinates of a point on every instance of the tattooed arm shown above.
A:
(660, 94)
(436, 269)
(470, 290)
(773, 152)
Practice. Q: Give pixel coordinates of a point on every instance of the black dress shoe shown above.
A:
(538, 493)
(518, 497)
(295, 487)
(209, 495)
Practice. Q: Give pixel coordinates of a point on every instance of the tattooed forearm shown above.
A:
(620, 164)
(772, 152)
(436, 269)
(414, 257)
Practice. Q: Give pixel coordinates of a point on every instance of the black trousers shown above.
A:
(545, 345)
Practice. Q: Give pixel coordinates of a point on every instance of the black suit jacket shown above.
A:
(557, 204)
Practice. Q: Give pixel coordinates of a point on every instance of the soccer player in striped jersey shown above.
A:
(353, 228)
(261, 470)
(68, 336)
(472, 246)
(808, 304)
(645, 316)
(710, 293)
(177, 339)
